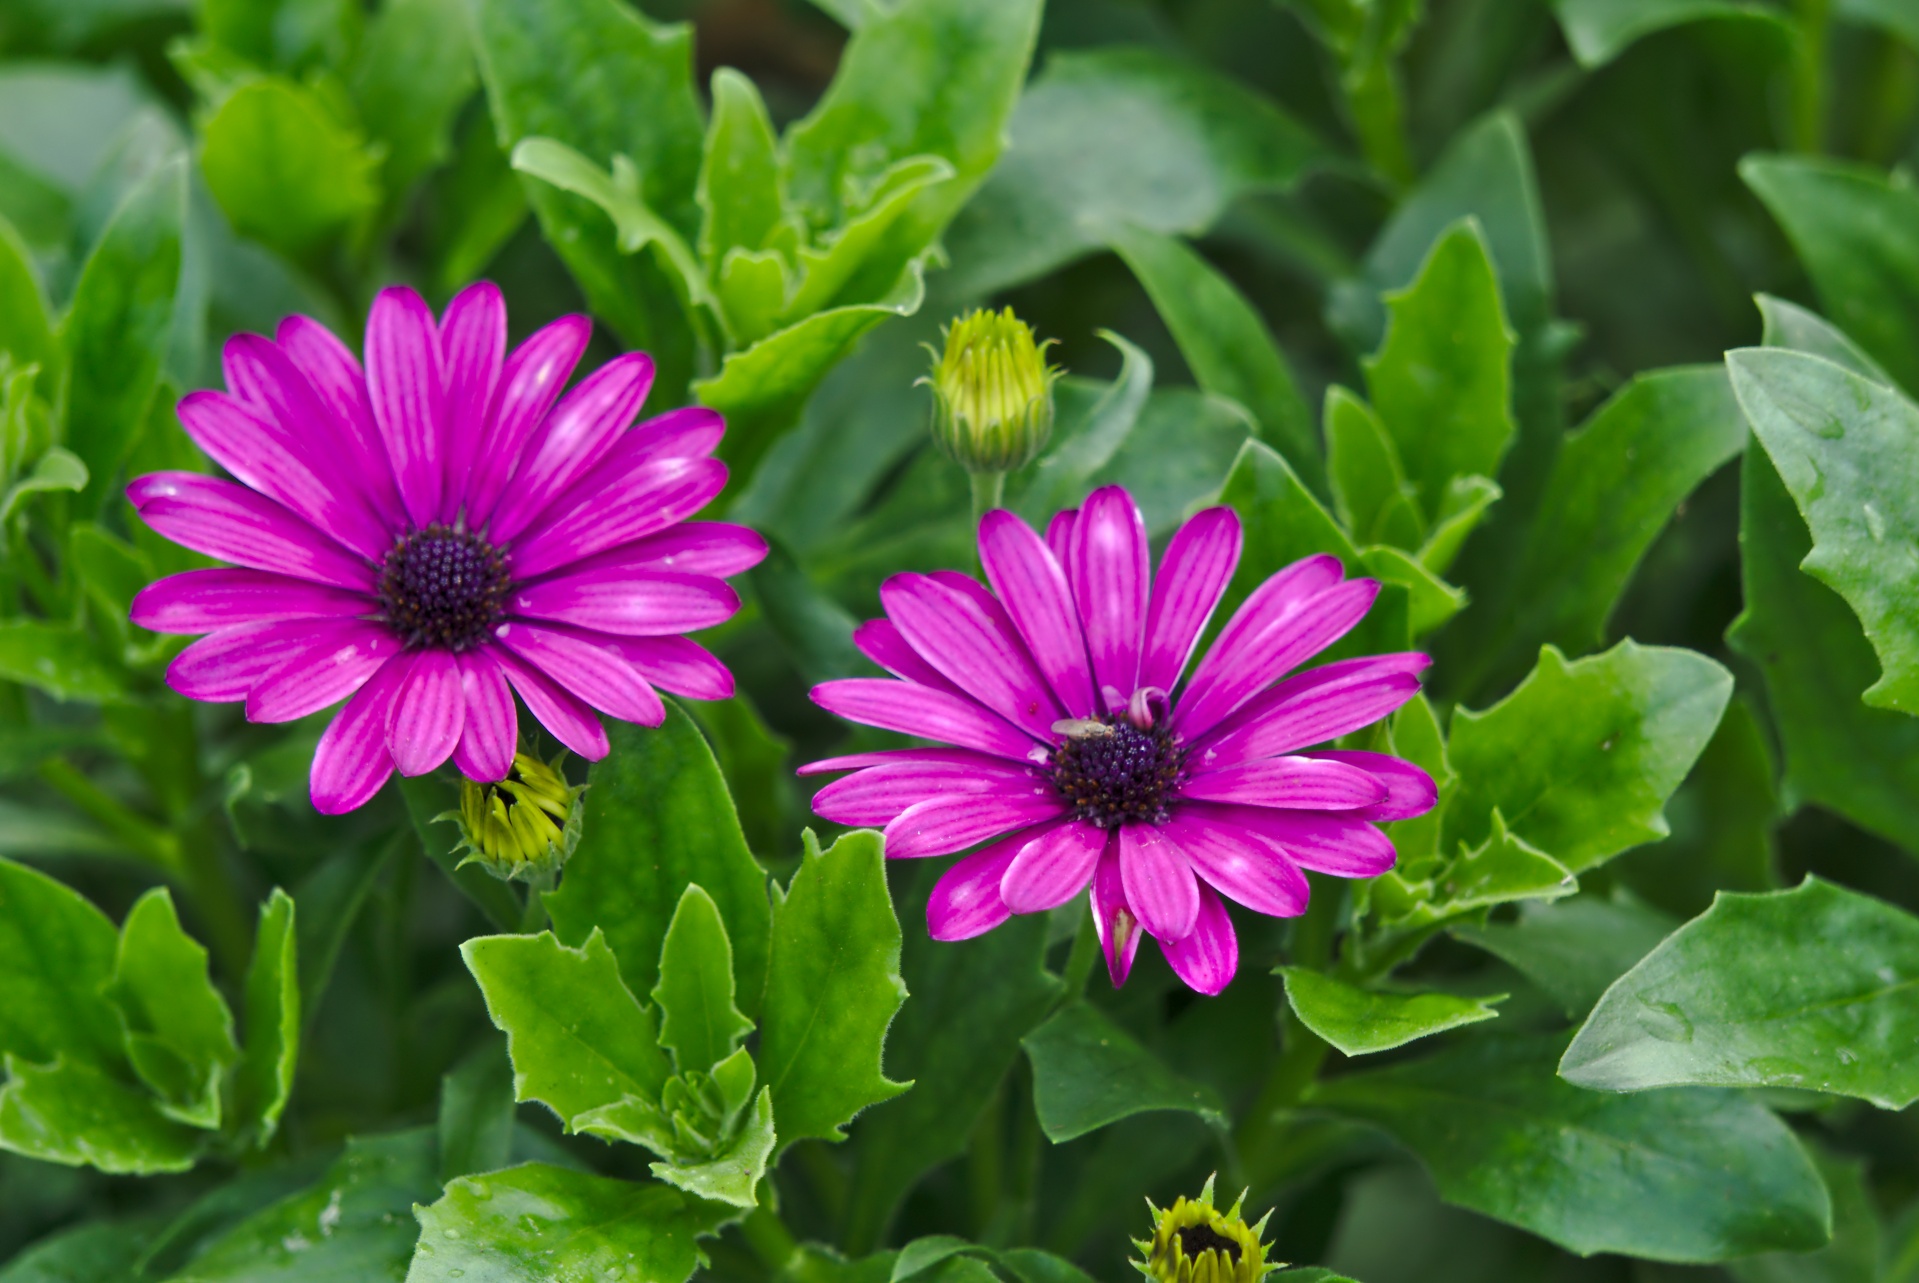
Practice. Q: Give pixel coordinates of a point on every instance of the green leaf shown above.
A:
(837, 272)
(1369, 486)
(119, 324)
(1689, 1175)
(1843, 444)
(833, 986)
(75, 1113)
(1361, 1021)
(287, 172)
(734, 1176)
(1861, 762)
(1084, 444)
(430, 796)
(537, 1223)
(56, 471)
(272, 1024)
(93, 1252)
(1857, 232)
(179, 1030)
(56, 955)
(1811, 988)
(1431, 600)
(578, 1037)
(1442, 382)
(1582, 757)
(26, 324)
(282, 33)
(1088, 1073)
(698, 1022)
(112, 570)
(1574, 949)
(1892, 15)
(414, 75)
(657, 819)
(1790, 326)
(1225, 342)
(1120, 136)
(355, 1222)
(754, 759)
(1601, 30)
(1854, 1254)
(59, 660)
(476, 1114)
(739, 184)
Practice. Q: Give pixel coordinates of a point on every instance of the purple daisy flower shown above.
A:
(429, 535)
(1079, 756)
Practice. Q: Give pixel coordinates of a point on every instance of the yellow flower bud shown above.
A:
(1193, 1242)
(992, 392)
(523, 827)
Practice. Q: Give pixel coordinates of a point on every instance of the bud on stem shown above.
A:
(992, 399)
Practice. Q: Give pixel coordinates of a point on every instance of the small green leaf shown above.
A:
(1225, 342)
(735, 1175)
(1442, 382)
(698, 1022)
(57, 470)
(836, 272)
(1361, 1021)
(272, 1025)
(658, 817)
(1369, 486)
(287, 172)
(56, 955)
(1575, 949)
(409, 86)
(1790, 326)
(1600, 30)
(1088, 1072)
(833, 986)
(111, 569)
(537, 1223)
(1431, 600)
(1582, 757)
(92, 1252)
(1844, 446)
(739, 185)
(1466, 501)
(74, 1113)
(1815, 988)
(476, 1114)
(578, 1037)
(59, 660)
(1688, 1175)
(179, 1028)
(26, 324)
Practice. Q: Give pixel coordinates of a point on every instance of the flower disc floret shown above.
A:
(1112, 771)
(443, 587)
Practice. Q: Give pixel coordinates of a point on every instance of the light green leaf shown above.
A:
(1574, 949)
(57, 470)
(1432, 601)
(1361, 1021)
(542, 1224)
(1466, 501)
(112, 570)
(1088, 1072)
(354, 1223)
(119, 324)
(179, 1030)
(476, 1114)
(1582, 757)
(578, 1037)
(1502, 869)
(1790, 326)
(1442, 382)
(739, 184)
(698, 1022)
(284, 168)
(1370, 493)
(751, 287)
(1225, 342)
(1120, 135)
(1689, 1175)
(56, 955)
(59, 660)
(414, 75)
(26, 324)
(833, 986)
(1815, 988)
(272, 1024)
(74, 1113)
(1845, 447)
(1601, 30)
(734, 1176)
(832, 273)
(658, 817)
(288, 34)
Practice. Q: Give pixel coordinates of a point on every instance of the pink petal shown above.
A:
(534, 375)
(677, 665)
(1193, 575)
(203, 601)
(1258, 662)
(685, 433)
(428, 713)
(1113, 918)
(566, 718)
(1273, 601)
(351, 761)
(224, 666)
(1029, 580)
(929, 714)
(881, 794)
(1341, 845)
(1053, 867)
(1295, 783)
(406, 382)
(943, 825)
(880, 640)
(616, 508)
(1059, 536)
(585, 666)
(1208, 955)
(473, 337)
(1309, 708)
(1241, 866)
(1410, 792)
(1111, 571)
(491, 731)
(692, 547)
(339, 657)
(334, 375)
(897, 757)
(646, 603)
(1159, 882)
(972, 643)
(966, 900)
(582, 428)
(226, 520)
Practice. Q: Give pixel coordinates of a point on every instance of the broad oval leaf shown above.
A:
(283, 167)
(1362, 1021)
(1088, 1072)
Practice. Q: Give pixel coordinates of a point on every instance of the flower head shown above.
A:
(523, 827)
(426, 535)
(1194, 1242)
(1082, 750)
(992, 392)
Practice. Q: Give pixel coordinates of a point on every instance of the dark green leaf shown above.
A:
(179, 1028)
(476, 1114)
(1088, 1072)
(756, 763)
(833, 986)
(1361, 1021)
(288, 34)
(1853, 1256)
(1686, 1175)
(272, 1020)
(427, 798)
(1790, 326)
(1369, 486)
(1084, 444)
(413, 76)
(1600, 30)
(1575, 949)
(284, 168)
(99, 1252)
(698, 1022)
(1173, 460)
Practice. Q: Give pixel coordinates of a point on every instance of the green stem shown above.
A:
(1379, 118)
(1081, 961)
(989, 488)
(1809, 76)
(769, 1238)
(1302, 1051)
(986, 1161)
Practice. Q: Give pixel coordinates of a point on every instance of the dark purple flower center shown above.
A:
(1112, 772)
(442, 587)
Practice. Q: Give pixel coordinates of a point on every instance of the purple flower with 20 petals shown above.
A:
(1082, 750)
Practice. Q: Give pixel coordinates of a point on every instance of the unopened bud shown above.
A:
(524, 827)
(1193, 1242)
(992, 392)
